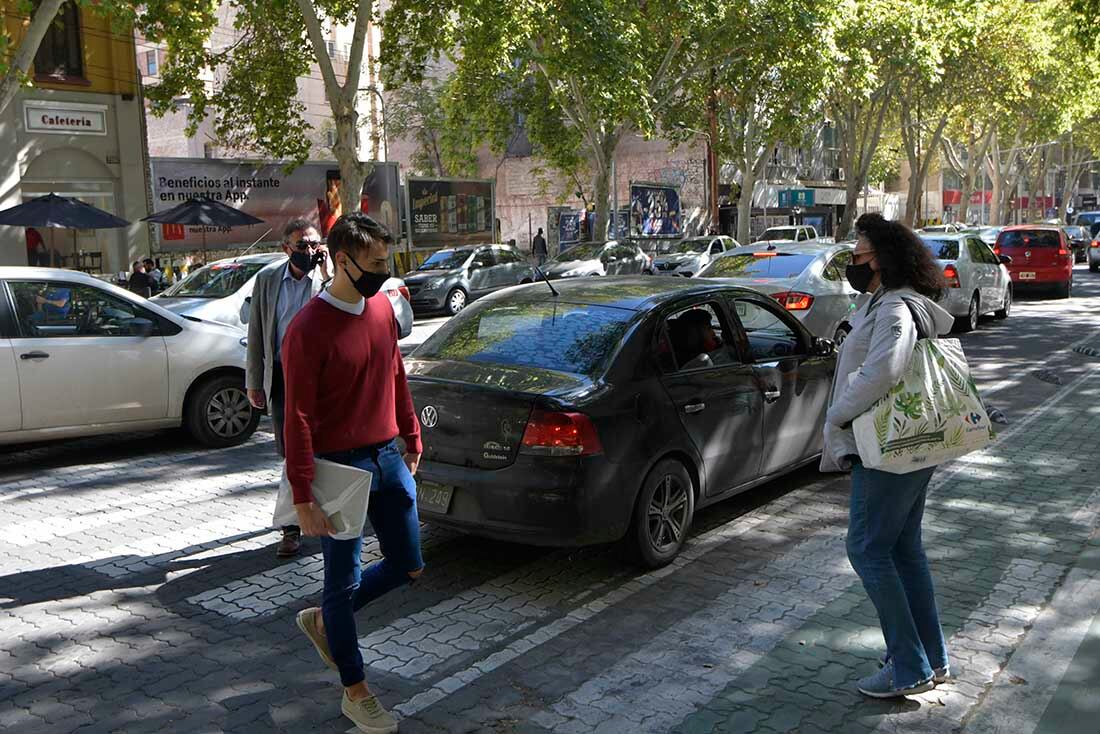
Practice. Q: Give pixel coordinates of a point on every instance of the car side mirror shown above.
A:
(140, 327)
(476, 264)
(823, 347)
(1005, 260)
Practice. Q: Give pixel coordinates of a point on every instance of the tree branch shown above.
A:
(358, 43)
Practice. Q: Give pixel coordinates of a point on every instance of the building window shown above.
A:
(60, 55)
(151, 63)
(330, 48)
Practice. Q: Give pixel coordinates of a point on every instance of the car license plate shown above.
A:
(434, 497)
(1027, 276)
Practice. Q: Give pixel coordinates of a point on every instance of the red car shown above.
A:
(1042, 257)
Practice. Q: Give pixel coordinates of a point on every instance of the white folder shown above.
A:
(341, 491)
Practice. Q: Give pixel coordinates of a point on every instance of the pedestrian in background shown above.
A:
(347, 401)
(154, 274)
(538, 248)
(280, 292)
(140, 282)
(886, 510)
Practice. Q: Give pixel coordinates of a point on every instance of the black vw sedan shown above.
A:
(599, 410)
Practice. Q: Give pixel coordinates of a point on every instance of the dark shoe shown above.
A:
(290, 545)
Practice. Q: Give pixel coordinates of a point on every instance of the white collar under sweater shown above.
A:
(355, 309)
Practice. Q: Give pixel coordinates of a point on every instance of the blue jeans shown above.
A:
(392, 514)
(886, 550)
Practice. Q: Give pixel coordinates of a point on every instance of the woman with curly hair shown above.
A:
(884, 529)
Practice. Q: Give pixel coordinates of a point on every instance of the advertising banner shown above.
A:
(450, 212)
(265, 190)
(655, 210)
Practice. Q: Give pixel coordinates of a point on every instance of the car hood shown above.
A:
(419, 276)
(202, 308)
(564, 266)
(682, 258)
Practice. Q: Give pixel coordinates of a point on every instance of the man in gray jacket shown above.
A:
(281, 290)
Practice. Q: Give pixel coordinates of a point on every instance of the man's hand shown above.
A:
(413, 462)
(326, 267)
(258, 399)
(313, 521)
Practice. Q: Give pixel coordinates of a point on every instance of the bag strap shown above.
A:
(917, 322)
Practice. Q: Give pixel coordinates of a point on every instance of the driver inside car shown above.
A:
(696, 343)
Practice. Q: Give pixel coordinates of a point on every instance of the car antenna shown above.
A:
(265, 234)
(546, 280)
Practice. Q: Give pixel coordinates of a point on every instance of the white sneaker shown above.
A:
(939, 675)
(369, 715)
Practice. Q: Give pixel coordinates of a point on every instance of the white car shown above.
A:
(222, 292)
(691, 254)
(80, 357)
(794, 233)
(978, 282)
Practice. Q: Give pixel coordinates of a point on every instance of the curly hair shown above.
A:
(903, 260)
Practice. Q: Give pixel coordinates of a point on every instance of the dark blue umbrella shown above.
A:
(60, 212)
(204, 212)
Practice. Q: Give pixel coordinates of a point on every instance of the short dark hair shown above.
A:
(903, 260)
(149, 261)
(354, 232)
(301, 224)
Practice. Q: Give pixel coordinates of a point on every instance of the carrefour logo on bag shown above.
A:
(974, 419)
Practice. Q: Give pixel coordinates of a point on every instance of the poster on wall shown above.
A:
(655, 210)
(450, 212)
(265, 190)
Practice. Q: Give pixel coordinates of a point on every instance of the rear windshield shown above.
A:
(565, 337)
(758, 265)
(1029, 238)
(219, 280)
(778, 233)
(942, 249)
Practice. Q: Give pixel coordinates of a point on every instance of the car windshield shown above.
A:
(446, 260)
(565, 337)
(218, 280)
(1078, 233)
(758, 265)
(581, 252)
(778, 233)
(942, 249)
(1029, 238)
(686, 246)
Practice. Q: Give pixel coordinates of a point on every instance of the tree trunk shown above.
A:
(21, 62)
(861, 131)
(744, 205)
(602, 184)
(353, 173)
(920, 158)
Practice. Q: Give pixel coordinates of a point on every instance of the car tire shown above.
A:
(662, 514)
(1065, 290)
(1094, 268)
(1006, 306)
(456, 301)
(218, 413)
(968, 323)
(841, 334)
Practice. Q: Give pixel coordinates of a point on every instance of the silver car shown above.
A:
(978, 282)
(222, 292)
(690, 255)
(600, 258)
(806, 277)
(451, 278)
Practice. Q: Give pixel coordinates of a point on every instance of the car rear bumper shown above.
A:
(1094, 255)
(1043, 276)
(536, 500)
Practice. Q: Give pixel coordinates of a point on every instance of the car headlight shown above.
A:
(431, 285)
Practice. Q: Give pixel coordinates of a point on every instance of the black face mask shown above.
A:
(368, 284)
(303, 261)
(859, 276)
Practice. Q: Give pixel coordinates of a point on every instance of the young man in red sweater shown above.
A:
(347, 400)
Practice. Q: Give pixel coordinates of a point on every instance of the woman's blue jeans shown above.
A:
(886, 550)
(392, 514)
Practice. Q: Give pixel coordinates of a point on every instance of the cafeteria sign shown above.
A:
(64, 118)
(796, 197)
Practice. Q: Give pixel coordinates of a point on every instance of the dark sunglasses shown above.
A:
(302, 245)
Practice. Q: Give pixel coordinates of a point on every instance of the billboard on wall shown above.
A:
(450, 212)
(265, 190)
(655, 210)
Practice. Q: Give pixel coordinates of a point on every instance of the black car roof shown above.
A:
(635, 293)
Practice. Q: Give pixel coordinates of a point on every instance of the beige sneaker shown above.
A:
(309, 622)
(369, 715)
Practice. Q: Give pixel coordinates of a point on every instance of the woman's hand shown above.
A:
(313, 521)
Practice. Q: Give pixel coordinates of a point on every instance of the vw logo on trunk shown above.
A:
(1027, 254)
(429, 417)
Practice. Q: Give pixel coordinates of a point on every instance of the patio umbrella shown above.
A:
(60, 212)
(206, 213)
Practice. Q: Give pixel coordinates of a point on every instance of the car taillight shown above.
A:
(551, 433)
(404, 291)
(951, 274)
(1062, 250)
(997, 250)
(794, 301)
(1096, 243)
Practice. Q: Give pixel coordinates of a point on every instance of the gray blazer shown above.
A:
(261, 324)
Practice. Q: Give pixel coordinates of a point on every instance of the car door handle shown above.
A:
(771, 394)
(692, 408)
(34, 355)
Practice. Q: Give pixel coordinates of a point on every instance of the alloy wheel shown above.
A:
(457, 301)
(973, 313)
(228, 412)
(668, 514)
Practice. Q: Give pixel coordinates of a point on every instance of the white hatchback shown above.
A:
(81, 357)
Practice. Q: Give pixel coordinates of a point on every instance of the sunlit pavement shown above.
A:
(139, 591)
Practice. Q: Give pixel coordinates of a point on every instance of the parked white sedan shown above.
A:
(80, 357)
(978, 282)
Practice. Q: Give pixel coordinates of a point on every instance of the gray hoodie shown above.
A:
(872, 360)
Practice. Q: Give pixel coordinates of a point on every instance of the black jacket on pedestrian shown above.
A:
(538, 245)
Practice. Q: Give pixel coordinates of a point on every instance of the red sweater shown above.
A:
(345, 386)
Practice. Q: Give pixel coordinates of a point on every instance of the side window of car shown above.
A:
(695, 338)
(485, 258)
(770, 337)
(56, 309)
(717, 248)
(979, 253)
(834, 271)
